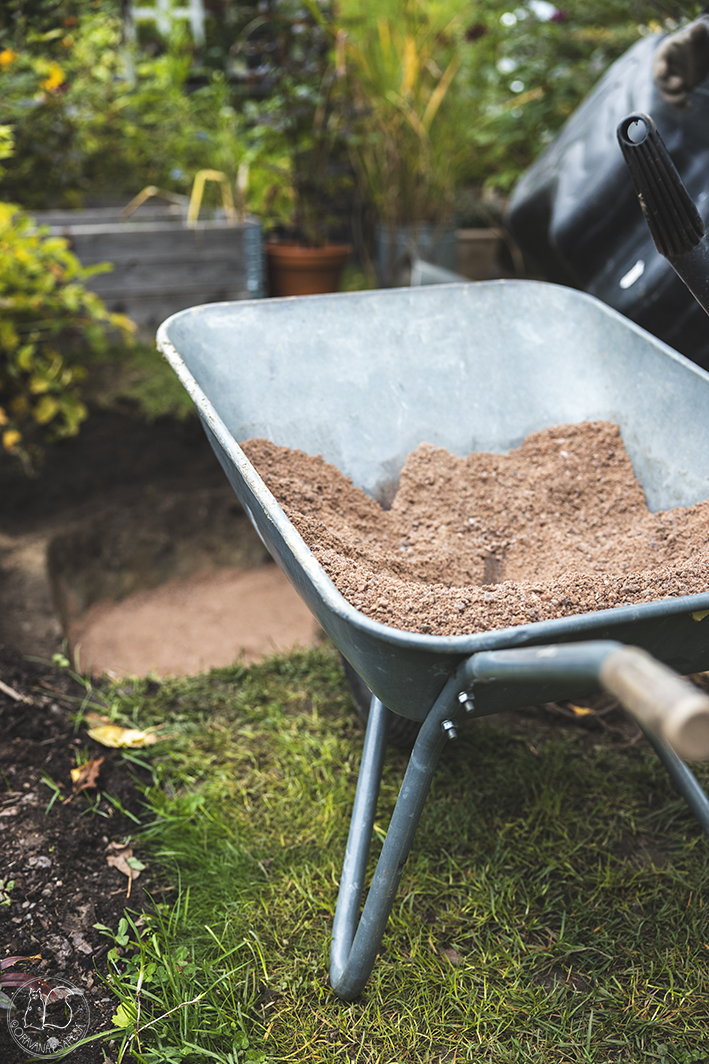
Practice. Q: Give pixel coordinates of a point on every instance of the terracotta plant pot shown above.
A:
(297, 271)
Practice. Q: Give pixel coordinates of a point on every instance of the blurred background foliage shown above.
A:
(100, 107)
(50, 326)
(317, 111)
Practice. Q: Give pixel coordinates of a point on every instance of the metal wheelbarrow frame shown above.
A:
(362, 379)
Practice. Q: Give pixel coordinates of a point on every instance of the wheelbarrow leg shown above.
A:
(657, 698)
(354, 948)
(360, 836)
(682, 777)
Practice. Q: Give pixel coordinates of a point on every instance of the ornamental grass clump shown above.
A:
(50, 326)
(410, 130)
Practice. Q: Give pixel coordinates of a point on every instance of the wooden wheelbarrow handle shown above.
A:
(660, 700)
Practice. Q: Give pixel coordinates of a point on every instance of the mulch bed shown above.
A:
(57, 859)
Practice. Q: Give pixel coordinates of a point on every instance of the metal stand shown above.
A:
(682, 777)
(355, 945)
(354, 948)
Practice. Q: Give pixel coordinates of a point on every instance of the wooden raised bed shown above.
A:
(161, 265)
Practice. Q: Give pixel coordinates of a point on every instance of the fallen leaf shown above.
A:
(113, 735)
(15, 979)
(7, 962)
(97, 718)
(79, 943)
(10, 812)
(120, 855)
(85, 776)
(580, 711)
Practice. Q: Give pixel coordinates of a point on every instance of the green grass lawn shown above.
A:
(551, 910)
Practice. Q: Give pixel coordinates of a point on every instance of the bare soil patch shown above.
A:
(130, 542)
(188, 626)
(559, 526)
(56, 861)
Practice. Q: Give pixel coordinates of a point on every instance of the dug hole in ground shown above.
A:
(130, 545)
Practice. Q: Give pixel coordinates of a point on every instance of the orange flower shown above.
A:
(7, 56)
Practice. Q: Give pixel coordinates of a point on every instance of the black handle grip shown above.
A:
(674, 222)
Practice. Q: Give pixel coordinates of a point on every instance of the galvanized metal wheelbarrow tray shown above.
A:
(362, 379)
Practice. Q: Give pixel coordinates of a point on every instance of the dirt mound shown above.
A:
(559, 526)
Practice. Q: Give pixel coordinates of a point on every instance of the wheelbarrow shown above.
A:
(362, 379)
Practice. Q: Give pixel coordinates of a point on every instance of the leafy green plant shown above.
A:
(137, 379)
(54, 788)
(94, 117)
(297, 132)
(407, 148)
(50, 325)
(176, 1000)
(451, 94)
(528, 67)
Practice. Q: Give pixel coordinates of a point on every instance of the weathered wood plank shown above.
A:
(162, 266)
(159, 244)
(177, 276)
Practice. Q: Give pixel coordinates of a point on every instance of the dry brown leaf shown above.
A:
(10, 812)
(85, 777)
(97, 718)
(79, 943)
(7, 962)
(120, 855)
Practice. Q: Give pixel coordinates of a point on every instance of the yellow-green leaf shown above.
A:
(115, 736)
(46, 409)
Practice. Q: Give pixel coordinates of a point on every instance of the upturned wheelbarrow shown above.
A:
(362, 379)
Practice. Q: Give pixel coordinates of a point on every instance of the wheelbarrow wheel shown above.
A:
(402, 731)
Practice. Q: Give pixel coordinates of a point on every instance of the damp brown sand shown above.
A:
(191, 624)
(559, 526)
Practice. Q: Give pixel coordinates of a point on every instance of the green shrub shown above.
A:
(526, 70)
(49, 326)
(96, 118)
(93, 118)
(520, 71)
